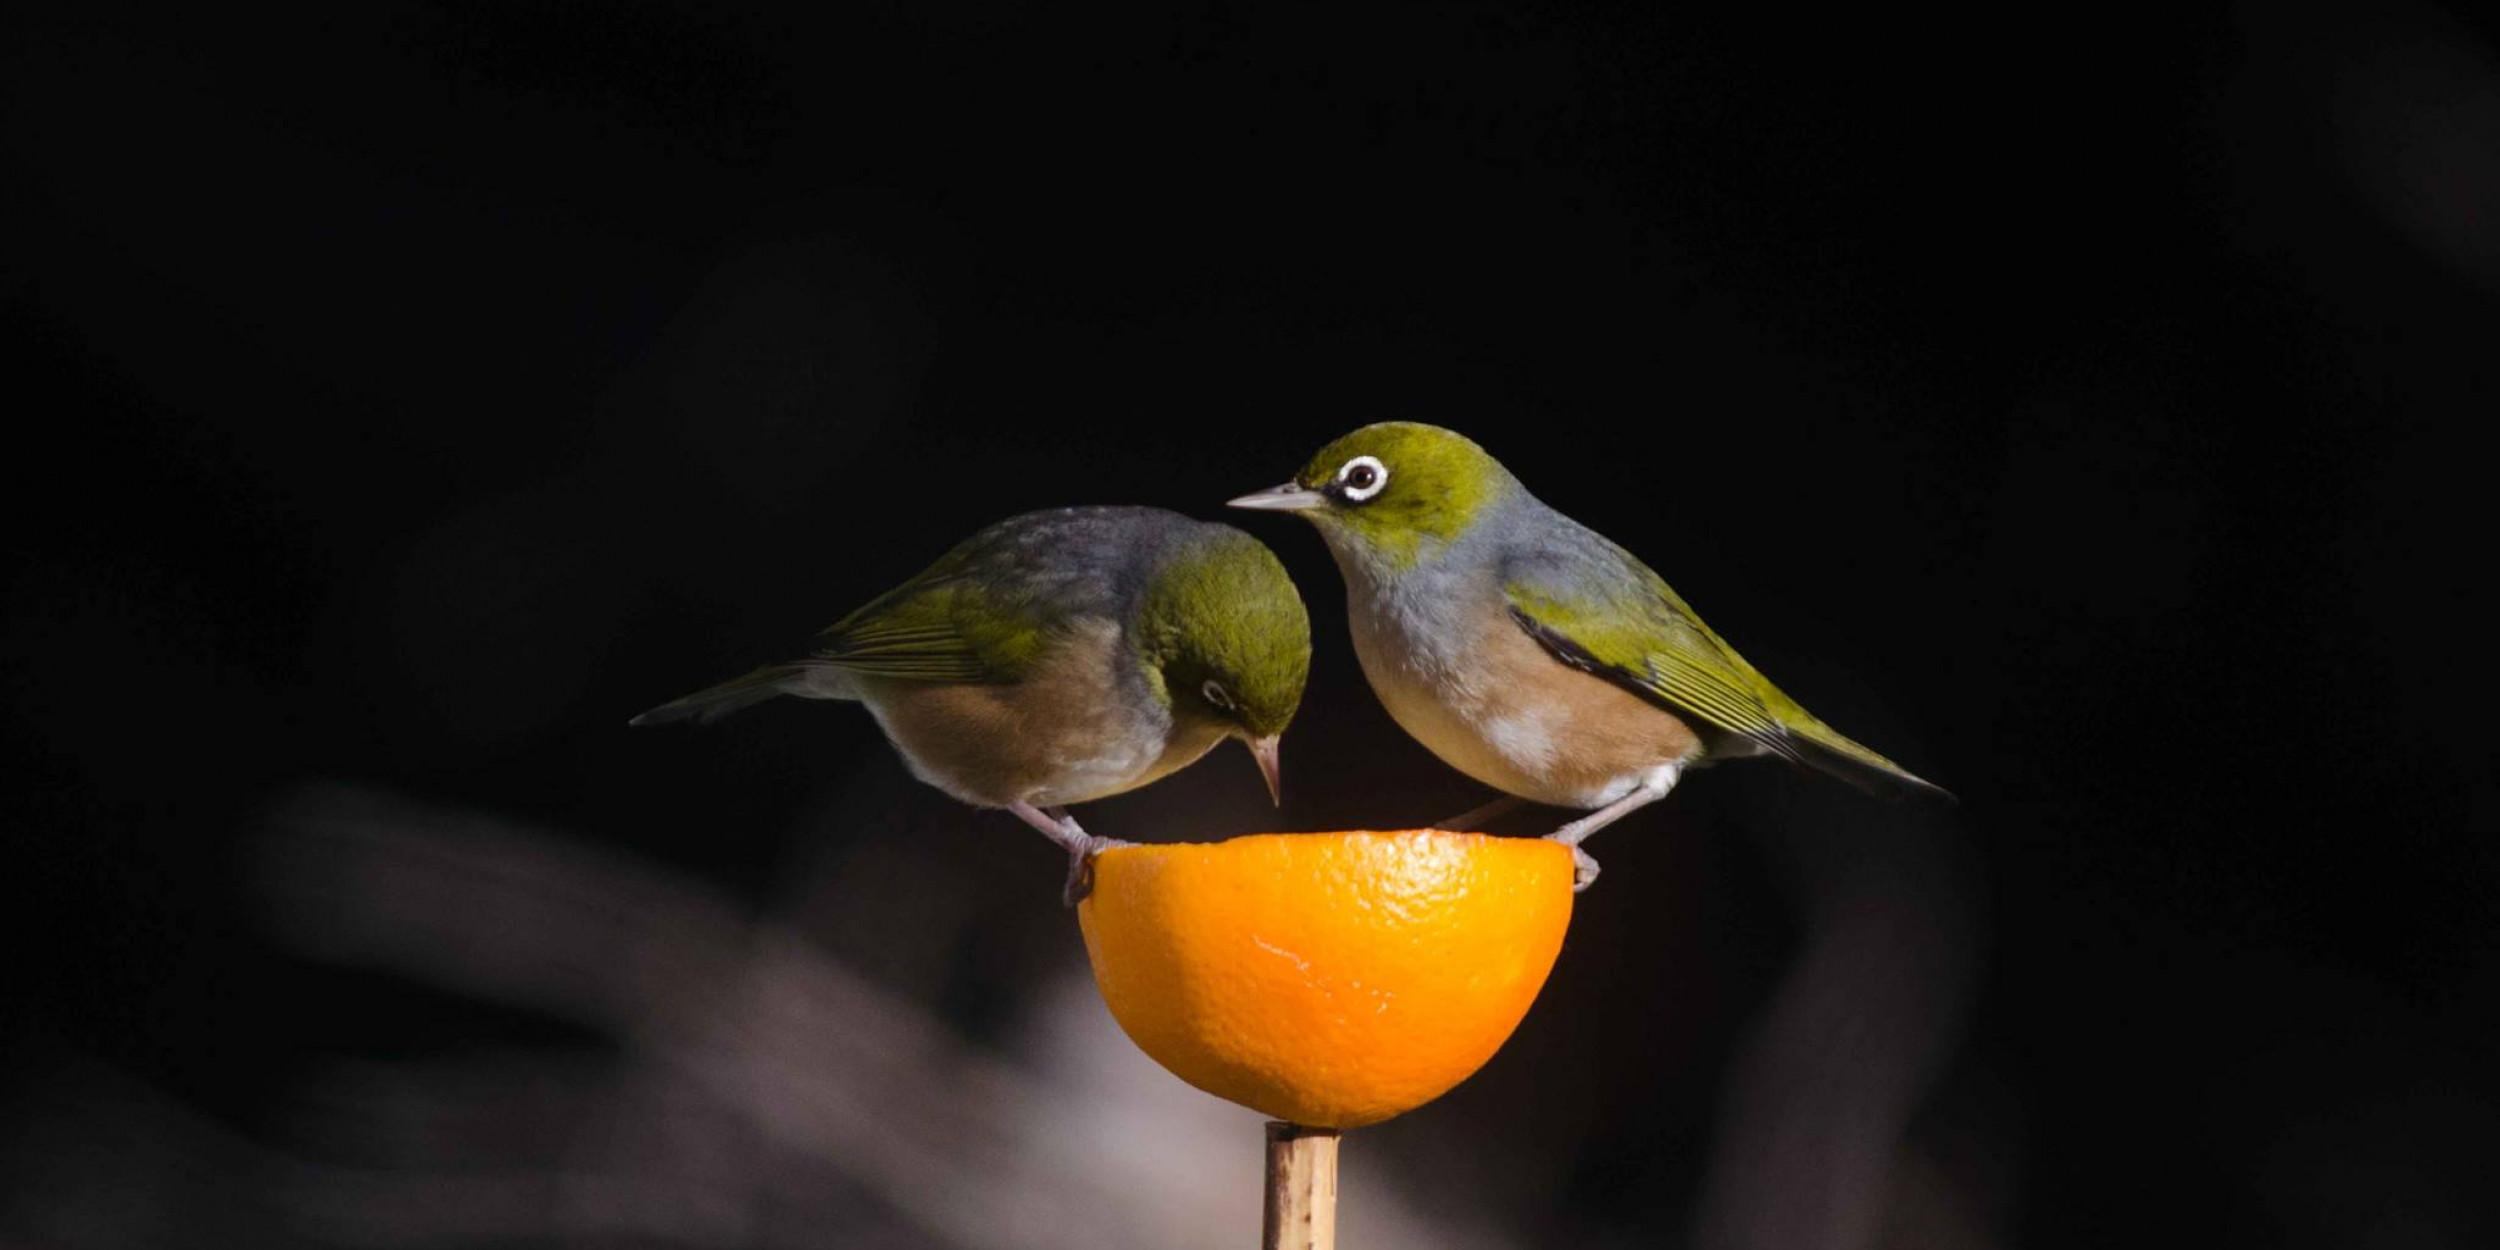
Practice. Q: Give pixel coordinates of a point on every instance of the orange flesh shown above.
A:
(1332, 979)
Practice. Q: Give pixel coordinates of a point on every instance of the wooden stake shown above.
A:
(1301, 1188)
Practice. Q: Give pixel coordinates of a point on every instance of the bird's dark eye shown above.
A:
(1216, 694)
(1361, 478)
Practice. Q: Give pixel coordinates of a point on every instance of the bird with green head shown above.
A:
(1222, 644)
(1059, 657)
(1529, 652)
(1389, 518)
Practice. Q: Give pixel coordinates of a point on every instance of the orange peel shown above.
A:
(1330, 979)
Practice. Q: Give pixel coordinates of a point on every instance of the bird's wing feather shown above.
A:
(1605, 613)
(933, 630)
(1596, 607)
(989, 607)
(925, 635)
(958, 621)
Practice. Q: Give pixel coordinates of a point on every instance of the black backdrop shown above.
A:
(2079, 405)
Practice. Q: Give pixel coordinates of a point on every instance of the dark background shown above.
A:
(2080, 405)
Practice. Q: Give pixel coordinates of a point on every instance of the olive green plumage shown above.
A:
(1202, 602)
(1443, 485)
(1451, 565)
(1059, 657)
(1221, 612)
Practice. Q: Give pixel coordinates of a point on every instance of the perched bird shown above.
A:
(1062, 656)
(1529, 652)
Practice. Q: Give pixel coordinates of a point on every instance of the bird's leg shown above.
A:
(1092, 843)
(1653, 787)
(1474, 818)
(1060, 827)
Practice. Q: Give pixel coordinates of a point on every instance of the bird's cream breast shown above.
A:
(1065, 733)
(1495, 704)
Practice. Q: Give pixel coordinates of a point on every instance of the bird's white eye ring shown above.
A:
(1362, 477)
(1216, 694)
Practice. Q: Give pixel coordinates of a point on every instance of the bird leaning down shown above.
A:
(1529, 652)
(1059, 657)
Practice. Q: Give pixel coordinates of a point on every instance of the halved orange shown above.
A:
(1327, 979)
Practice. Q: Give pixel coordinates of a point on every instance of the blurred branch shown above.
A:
(758, 1070)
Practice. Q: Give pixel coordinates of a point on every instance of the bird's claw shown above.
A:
(1583, 865)
(1080, 879)
(1583, 870)
(1081, 867)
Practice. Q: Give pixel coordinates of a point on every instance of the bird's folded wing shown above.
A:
(1597, 608)
(935, 628)
(1607, 614)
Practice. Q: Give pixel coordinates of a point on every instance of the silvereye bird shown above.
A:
(1059, 657)
(1529, 652)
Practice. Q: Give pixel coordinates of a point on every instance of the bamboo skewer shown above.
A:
(1301, 1188)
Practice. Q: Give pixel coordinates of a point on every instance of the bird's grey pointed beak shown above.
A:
(1270, 766)
(1290, 497)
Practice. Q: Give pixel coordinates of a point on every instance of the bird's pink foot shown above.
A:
(1583, 870)
(1057, 825)
(1081, 867)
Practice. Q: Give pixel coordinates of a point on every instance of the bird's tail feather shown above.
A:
(1827, 751)
(737, 694)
